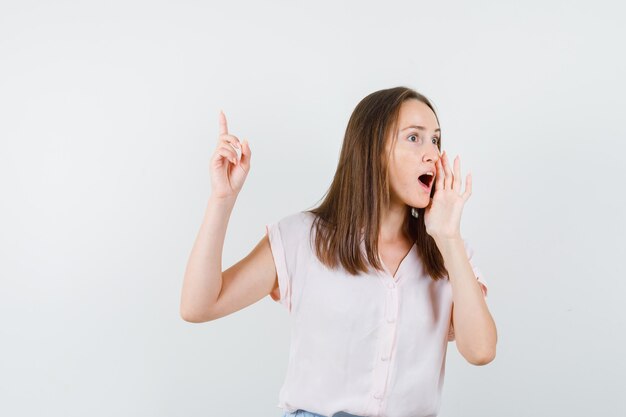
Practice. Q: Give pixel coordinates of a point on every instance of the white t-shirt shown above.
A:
(371, 345)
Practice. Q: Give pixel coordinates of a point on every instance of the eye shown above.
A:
(436, 142)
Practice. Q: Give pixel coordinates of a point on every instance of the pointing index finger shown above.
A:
(223, 124)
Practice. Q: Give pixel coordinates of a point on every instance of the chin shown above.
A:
(421, 203)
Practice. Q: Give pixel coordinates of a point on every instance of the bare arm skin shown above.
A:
(474, 327)
(208, 292)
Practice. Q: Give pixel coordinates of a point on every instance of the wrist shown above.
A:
(444, 242)
(222, 201)
(447, 238)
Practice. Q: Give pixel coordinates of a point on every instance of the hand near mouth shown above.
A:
(442, 217)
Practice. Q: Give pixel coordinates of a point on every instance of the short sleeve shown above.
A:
(280, 261)
(479, 277)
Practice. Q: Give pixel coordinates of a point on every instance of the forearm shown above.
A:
(203, 275)
(474, 327)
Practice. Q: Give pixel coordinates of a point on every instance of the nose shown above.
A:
(432, 155)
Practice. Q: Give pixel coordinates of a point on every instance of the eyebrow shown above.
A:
(419, 128)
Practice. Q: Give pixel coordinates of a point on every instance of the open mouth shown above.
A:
(426, 180)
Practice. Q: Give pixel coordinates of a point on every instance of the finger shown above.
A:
(223, 157)
(245, 153)
(439, 176)
(232, 139)
(223, 124)
(244, 158)
(457, 174)
(234, 143)
(228, 152)
(443, 168)
(245, 148)
(468, 187)
(237, 150)
(447, 183)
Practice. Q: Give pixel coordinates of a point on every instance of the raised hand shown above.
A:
(230, 163)
(442, 217)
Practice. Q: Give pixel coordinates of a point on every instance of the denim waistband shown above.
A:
(304, 413)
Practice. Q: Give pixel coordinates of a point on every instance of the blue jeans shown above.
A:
(304, 413)
(301, 413)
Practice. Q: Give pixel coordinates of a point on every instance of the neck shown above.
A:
(392, 224)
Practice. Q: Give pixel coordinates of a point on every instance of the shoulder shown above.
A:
(293, 229)
(301, 217)
(300, 221)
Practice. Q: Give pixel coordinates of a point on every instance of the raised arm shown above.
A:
(204, 283)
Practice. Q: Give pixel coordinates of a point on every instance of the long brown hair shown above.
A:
(352, 207)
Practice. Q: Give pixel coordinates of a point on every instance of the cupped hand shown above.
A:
(228, 170)
(442, 217)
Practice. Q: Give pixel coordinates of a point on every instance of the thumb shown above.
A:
(245, 151)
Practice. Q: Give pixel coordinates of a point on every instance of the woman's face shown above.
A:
(415, 153)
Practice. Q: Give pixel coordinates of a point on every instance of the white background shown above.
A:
(108, 118)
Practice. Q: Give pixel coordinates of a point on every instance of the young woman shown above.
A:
(376, 279)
